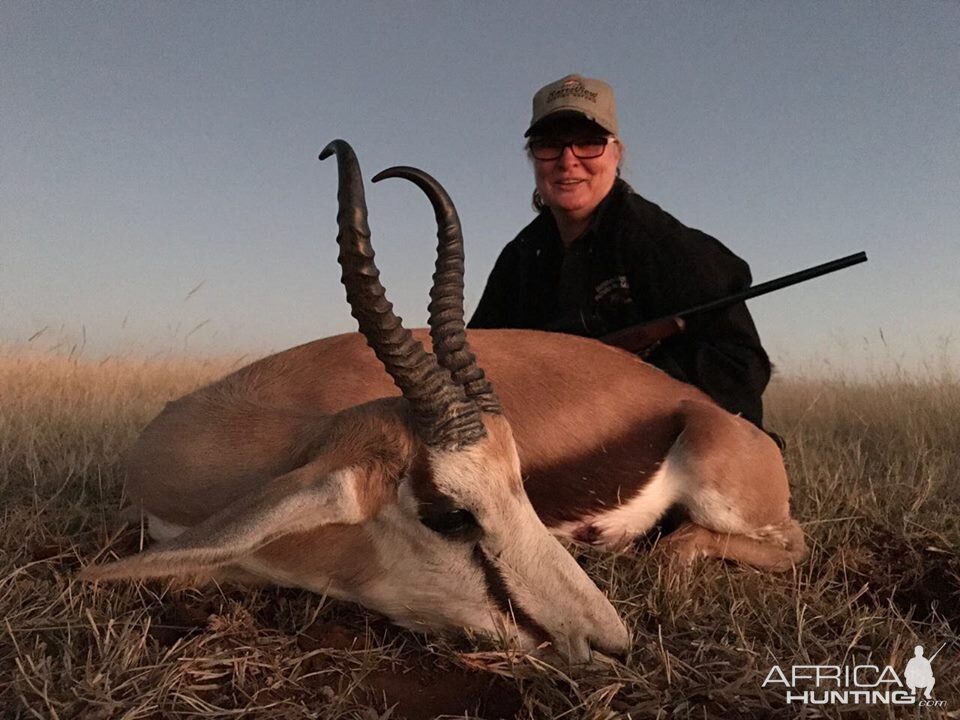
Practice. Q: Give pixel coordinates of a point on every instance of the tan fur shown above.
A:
(195, 459)
(333, 552)
(304, 469)
(777, 549)
(590, 422)
(736, 465)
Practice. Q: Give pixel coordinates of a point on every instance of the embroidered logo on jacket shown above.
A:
(615, 291)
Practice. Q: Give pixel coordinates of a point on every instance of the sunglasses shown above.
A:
(582, 148)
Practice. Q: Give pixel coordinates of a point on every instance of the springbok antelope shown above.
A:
(305, 468)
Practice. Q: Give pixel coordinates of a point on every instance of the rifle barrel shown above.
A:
(775, 284)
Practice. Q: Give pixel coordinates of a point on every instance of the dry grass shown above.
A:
(876, 475)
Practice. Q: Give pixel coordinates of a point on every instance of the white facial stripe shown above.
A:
(430, 581)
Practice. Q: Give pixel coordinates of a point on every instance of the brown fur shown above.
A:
(591, 424)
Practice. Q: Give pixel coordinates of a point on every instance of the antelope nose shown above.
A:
(612, 641)
(618, 650)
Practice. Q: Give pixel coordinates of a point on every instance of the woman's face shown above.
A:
(571, 185)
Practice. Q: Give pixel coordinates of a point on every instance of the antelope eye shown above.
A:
(451, 523)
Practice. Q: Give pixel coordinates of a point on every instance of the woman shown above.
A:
(599, 258)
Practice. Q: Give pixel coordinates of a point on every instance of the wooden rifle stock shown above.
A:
(643, 336)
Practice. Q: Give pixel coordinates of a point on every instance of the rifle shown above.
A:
(930, 659)
(643, 336)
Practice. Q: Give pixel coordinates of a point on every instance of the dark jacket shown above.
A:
(634, 263)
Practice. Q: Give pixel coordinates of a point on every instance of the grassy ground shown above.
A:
(876, 476)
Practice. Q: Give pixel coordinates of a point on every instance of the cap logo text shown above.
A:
(571, 89)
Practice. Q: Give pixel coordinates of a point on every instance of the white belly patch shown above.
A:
(618, 526)
(161, 530)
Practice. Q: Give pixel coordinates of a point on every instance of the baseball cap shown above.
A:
(576, 95)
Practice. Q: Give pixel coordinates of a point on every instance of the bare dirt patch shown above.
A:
(921, 580)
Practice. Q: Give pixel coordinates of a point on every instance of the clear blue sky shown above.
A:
(148, 148)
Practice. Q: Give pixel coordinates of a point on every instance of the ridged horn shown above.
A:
(443, 415)
(447, 327)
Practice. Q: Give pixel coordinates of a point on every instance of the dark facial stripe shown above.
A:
(498, 592)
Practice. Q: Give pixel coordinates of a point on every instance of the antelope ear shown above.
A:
(300, 500)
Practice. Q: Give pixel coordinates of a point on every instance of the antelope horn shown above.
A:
(447, 329)
(443, 415)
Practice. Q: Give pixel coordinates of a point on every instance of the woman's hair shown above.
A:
(536, 201)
